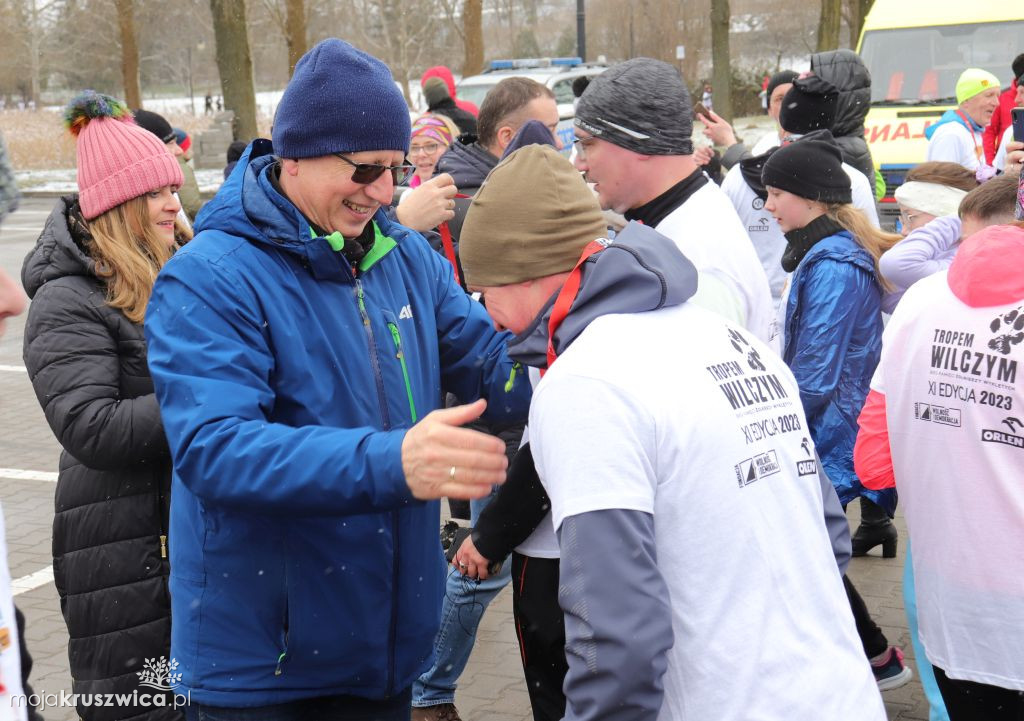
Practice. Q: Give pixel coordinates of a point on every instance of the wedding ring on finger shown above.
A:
(451, 473)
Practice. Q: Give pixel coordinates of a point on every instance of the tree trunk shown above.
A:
(828, 25)
(473, 31)
(721, 74)
(234, 63)
(34, 52)
(129, 53)
(858, 12)
(295, 32)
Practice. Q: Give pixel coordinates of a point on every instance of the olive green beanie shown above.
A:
(530, 219)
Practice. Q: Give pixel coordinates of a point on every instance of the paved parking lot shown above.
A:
(492, 687)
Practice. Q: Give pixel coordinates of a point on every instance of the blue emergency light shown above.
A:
(521, 63)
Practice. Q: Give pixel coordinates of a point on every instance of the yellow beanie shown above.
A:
(530, 219)
(973, 81)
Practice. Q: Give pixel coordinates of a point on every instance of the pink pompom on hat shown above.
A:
(117, 160)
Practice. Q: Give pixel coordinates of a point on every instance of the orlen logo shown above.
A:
(990, 435)
(806, 468)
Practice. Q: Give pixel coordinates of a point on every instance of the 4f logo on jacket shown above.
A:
(406, 312)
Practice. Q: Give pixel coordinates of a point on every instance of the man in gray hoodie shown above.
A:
(697, 577)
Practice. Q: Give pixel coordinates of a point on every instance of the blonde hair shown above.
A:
(867, 236)
(129, 253)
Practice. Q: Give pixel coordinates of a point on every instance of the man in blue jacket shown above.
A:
(299, 346)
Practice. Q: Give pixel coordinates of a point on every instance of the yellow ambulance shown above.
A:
(916, 50)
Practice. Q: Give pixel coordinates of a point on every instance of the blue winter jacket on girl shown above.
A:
(833, 339)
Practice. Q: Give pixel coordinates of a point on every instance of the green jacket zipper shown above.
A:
(397, 337)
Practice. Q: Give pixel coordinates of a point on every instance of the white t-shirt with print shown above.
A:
(542, 543)
(709, 233)
(999, 163)
(953, 379)
(678, 414)
(953, 143)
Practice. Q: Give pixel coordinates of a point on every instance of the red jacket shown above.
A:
(999, 123)
(445, 74)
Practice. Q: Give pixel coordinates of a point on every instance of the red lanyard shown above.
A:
(566, 297)
(970, 129)
(449, 249)
(449, 246)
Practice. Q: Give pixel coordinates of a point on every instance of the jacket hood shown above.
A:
(950, 116)
(57, 253)
(642, 270)
(440, 71)
(751, 169)
(467, 163)
(248, 205)
(986, 269)
(533, 132)
(847, 72)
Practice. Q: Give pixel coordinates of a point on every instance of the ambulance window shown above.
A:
(920, 66)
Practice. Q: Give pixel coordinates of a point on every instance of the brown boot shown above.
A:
(440, 712)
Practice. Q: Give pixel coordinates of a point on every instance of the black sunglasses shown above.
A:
(366, 173)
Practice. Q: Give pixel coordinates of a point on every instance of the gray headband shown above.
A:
(641, 105)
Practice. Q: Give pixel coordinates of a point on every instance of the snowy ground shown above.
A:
(66, 180)
(266, 102)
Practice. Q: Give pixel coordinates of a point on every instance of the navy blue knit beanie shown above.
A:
(340, 100)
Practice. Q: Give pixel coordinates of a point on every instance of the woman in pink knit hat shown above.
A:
(90, 277)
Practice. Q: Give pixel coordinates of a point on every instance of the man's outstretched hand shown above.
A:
(438, 444)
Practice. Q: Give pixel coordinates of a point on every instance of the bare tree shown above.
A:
(399, 31)
(473, 37)
(856, 12)
(234, 61)
(292, 22)
(828, 25)
(24, 29)
(129, 53)
(75, 48)
(295, 32)
(720, 58)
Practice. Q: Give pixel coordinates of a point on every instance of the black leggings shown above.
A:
(540, 627)
(970, 701)
(871, 637)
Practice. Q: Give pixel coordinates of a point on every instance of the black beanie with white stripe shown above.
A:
(640, 105)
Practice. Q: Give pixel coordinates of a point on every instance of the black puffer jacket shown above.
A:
(87, 363)
(464, 121)
(468, 164)
(845, 70)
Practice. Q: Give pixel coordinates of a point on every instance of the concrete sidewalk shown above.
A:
(493, 688)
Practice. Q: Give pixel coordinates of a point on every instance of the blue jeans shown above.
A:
(323, 708)
(936, 706)
(461, 611)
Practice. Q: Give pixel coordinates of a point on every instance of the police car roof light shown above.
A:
(522, 63)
